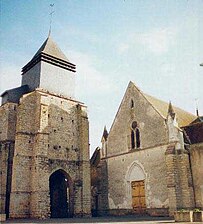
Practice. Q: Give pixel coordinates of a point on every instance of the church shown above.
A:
(44, 142)
(151, 160)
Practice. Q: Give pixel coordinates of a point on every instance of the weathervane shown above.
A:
(51, 13)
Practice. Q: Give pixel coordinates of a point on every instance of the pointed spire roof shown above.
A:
(105, 133)
(171, 110)
(50, 53)
(51, 48)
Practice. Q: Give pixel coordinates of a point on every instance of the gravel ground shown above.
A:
(103, 220)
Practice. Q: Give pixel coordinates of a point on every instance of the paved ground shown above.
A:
(104, 220)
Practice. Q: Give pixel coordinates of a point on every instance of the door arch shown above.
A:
(136, 178)
(61, 195)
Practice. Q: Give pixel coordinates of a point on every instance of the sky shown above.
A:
(157, 44)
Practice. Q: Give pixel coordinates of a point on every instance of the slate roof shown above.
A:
(183, 117)
(195, 130)
(51, 48)
(19, 90)
(50, 53)
(13, 95)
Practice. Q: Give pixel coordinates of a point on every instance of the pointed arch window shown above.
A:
(135, 136)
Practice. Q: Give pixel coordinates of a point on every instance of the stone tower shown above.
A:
(45, 141)
(178, 165)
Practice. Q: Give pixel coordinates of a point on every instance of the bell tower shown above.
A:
(50, 70)
(50, 163)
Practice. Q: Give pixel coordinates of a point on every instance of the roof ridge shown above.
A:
(188, 117)
(143, 94)
(175, 107)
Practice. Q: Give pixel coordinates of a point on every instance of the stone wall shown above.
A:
(145, 162)
(179, 179)
(196, 152)
(160, 161)
(51, 134)
(148, 165)
(8, 121)
(152, 126)
(7, 136)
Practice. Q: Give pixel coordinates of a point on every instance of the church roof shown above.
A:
(13, 95)
(50, 53)
(195, 130)
(198, 120)
(51, 48)
(183, 117)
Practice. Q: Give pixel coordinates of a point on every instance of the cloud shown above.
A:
(157, 41)
(95, 87)
(90, 81)
(10, 77)
(74, 32)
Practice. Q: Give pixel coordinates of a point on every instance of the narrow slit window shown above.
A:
(132, 139)
(137, 138)
(132, 104)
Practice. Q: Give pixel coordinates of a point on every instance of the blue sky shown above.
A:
(156, 44)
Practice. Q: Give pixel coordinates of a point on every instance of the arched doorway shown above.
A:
(136, 188)
(60, 187)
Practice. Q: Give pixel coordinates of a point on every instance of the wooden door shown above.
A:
(138, 196)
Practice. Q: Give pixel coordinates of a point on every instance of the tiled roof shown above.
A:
(183, 118)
